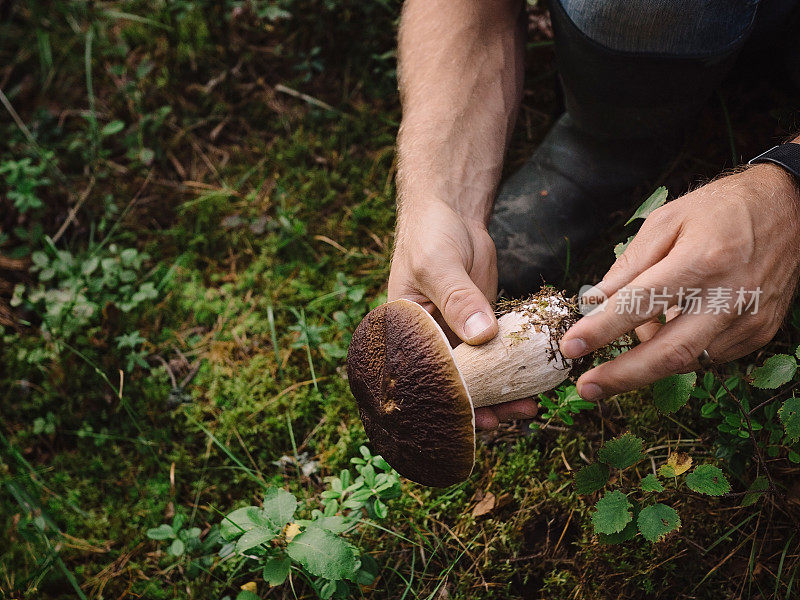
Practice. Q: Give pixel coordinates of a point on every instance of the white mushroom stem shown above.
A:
(519, 362)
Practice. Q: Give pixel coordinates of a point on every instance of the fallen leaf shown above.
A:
(485, 506)
(680, 462)
(292, 529)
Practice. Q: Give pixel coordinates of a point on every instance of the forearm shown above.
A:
(460, 72)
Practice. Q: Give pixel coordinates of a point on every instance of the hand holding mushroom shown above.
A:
(416, 395)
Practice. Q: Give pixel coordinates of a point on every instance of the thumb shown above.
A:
(464, 307)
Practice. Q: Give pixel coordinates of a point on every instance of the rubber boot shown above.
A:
(625, 117)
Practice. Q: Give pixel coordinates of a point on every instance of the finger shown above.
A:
(464, 307)
(648, 330)
(516, 409)
(644, 298)
(651, 244)
(485, 418)
(651, 328)
(674, 349)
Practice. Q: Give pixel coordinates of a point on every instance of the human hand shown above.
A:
(447, 264)
(738, 232)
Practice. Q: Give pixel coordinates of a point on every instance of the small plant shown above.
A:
(181, 540)
(134, 357)
(566, 403)
(271, 536)
(619, 516)
(23, 177)
(185, 542)
(73, 290)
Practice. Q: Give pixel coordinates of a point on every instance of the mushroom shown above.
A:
(416, 395)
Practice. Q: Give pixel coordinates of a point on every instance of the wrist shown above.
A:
(777, 183)
(437, 176)
(414, 215)
(467, 204)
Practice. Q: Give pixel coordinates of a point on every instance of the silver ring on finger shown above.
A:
(705, 360)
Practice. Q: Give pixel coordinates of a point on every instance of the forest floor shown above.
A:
(197, 209)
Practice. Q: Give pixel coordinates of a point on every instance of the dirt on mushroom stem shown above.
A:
(551, 310)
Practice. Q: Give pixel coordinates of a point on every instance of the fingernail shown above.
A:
(573, 348)
(591, 392)
(476, 325)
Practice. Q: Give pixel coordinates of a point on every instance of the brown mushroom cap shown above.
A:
(411, 397)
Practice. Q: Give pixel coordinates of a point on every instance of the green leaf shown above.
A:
(620, 248)
(254, 537)
(278, 507)
(672, 393)
(658, 520)
(335, 524)
(162, 532)
(667, 471)
(656, 199)
(612, 513)
(789, 415)
(651, 484)
(755, 491)
(176, 548)
(381, 510)
(327, 590)
(247, 595)
(112, 128)
(323, 554)
(708, 479)
(276, 570)
(622, 452)
(240, 521)
(591, 478)
(625, 535)
(775, 371)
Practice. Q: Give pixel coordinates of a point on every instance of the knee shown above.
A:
(669, 27)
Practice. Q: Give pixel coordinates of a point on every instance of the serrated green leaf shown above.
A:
(658, 520)
(672, 393)
(622, 452)
(654, 201)
(651, 484)
(278, 507)
(335, 524)
(789, 415)
(708, 479)
(247, 595)
(240, 521)
(625, 535)
(612, 513)
(591, 478)
(775, 371)
(797, 352)
(276, 570)
(667, 471)
(254, 537)
(323, 554)
(755, 491)
(162, 532)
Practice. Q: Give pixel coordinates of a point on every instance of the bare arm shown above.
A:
(460, 84)
(460, 68)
